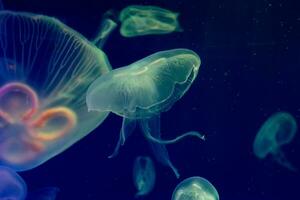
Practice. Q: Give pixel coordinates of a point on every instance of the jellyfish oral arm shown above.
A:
(128, 126)
(281, 159)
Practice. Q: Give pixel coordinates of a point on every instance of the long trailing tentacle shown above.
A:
(150, 135)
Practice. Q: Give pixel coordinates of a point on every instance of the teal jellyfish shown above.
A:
(144, 89)
(147, 20)
(108, 25)
(13, 187)
(278, 130)
(45, 70)
(143, 175)
(195, 188)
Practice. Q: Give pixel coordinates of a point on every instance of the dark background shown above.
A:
(250, 69)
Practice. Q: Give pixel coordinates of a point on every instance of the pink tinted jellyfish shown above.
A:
(45, 70)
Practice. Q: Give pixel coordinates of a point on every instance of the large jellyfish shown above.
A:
(144, 89)
(143, 175)
(13, 187)
(278, 130)
(45, 70)
(147, 20)
(195, 188)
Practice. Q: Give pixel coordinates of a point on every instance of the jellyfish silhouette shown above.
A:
(147, 20)
(13, 187)
(144, 89)
(278, 130)
(195, 188)
(143, 175)
(45, 70)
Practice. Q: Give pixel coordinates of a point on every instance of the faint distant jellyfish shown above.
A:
(144, 89)
(45, 70)
(278, 130)
(195, 188)
(143, 175)
(12, 186)
(147, 20)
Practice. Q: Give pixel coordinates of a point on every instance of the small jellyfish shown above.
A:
(45, 70)
(143, 175)
(12, 186)
(278, 130)
(108, 25)
(195, 188)
(141, 91)
(147, 20)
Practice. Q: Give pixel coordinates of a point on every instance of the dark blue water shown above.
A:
(250, 53)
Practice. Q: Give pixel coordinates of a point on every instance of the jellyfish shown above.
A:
(141, 91)
(45, 70)
(147, 20)
(143, 175)
(278, 130)
(195, 188)
(108, 25)
(12, 186)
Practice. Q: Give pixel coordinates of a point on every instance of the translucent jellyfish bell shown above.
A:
(143, 175)
(278, 130)
(195, 188)
(12, 186)
(45, 70)
(144, 89)
(147, 20)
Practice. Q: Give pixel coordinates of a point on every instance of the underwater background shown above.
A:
(250, 53)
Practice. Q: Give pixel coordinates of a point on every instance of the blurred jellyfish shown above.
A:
(278, 130)
(108, 25)
(45, 70)
(144, 89)
(12, 186)
(147, 20)
(143, 175)
(195, 188)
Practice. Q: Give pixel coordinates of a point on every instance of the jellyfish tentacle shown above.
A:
(150, 136)
(128, 126)
(281, 159)
(159, 150)
(46, 116)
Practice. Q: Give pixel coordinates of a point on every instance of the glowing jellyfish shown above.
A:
(143, 175)
(278, 130)
(144, 89)
(147, 20)
(45, 70)
(12, 186)
(108, 25)
(195, 188)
